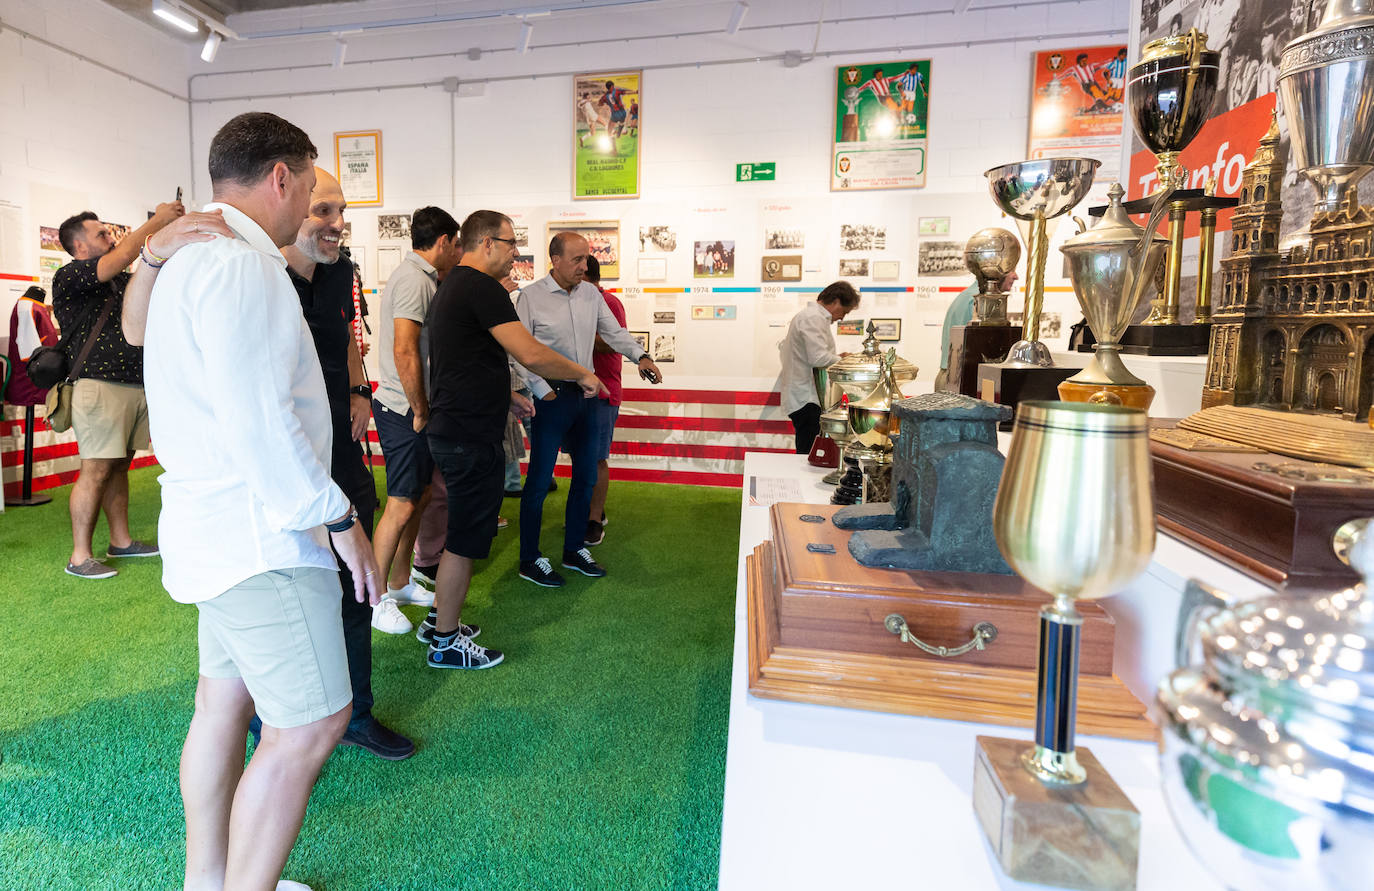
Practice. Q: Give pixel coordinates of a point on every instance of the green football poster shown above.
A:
(606, 135)
(881, 112)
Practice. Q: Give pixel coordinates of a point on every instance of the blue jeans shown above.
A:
(568, 422)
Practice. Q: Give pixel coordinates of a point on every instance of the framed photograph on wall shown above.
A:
(603, 237)
(850, 326)
(522, 270)
(643, 338)
(606, 113)
(358, 165)
(879, 137)
(714, 259)
(653, 269)
(782, 268)
(388, 258)
(886, 270)
(887, 329)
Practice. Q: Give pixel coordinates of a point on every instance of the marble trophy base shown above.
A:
(1011, 385)
(971, 346)
(1167, 340)
(1084, 836)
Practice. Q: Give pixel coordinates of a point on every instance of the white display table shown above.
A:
(826, 798)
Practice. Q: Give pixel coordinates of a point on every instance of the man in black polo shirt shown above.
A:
(109, 413)
(472, 326)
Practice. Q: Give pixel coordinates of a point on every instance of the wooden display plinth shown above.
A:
(1274, 528)
(974, 345)
(816, 634)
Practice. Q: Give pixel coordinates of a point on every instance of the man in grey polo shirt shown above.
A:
(566, 312)
(401, 407)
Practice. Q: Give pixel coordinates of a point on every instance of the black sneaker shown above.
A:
(425, 633)
(595, 533)
(380, 741)
(460, 652)
(582, 561)
(515, 493)
(541, 573)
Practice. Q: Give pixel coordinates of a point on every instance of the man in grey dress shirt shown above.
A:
(566, 313)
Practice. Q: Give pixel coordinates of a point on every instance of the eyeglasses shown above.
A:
(510, 241)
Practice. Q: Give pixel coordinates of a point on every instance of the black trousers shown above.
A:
(806, 421)
(357, 483)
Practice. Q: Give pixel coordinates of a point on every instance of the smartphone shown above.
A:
(178, 193)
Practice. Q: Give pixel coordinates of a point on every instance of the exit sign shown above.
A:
(745, 173)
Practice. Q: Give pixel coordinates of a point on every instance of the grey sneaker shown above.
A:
(92, 569)
(135, 549)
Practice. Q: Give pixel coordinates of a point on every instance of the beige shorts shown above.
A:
(110, 420)
(282, 633)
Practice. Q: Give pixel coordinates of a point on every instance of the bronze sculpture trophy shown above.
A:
(1110, 265)
(1036, 194)
(991, 255)
(1074, 517)
(1170, 92)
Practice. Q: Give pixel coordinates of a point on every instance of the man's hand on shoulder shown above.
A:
(187, 229)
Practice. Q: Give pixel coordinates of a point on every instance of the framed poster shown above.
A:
(887, 329)
(782, 268)
(603, 237)
(1076, 105)
(879, 137)
(358, 165)
(606, 111)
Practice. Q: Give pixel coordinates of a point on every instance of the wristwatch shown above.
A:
(362, 390)
(346, 523)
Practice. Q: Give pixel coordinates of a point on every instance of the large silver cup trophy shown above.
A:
(1036, 194)
(1326, 78)
(1268, 732)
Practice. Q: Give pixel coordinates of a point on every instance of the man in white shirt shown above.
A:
(810, 344)
(237, 403)
(566, 313)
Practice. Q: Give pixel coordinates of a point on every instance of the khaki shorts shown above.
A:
(110, 420)
(282, 633)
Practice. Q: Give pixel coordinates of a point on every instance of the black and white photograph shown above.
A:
(784, 239)
(941, 258)
(665, 348)
(863, 237)
(887, 329)
(1051, 325)
(643, 338)
(393, 226)
(665, 318)
(853, 267)
(657, 238)
(781, 268)
(522, 236)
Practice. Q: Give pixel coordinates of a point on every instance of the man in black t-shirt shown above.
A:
(472, 326)
(109, 413)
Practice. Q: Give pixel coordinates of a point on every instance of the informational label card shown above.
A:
(880, 136)
(606, 115)
(358, 165)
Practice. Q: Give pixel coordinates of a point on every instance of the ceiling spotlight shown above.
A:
(340, 50)
(176, 16)
(522, 45)
(736, 17)
(207, 52)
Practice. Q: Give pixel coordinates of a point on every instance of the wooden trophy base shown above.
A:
(1276, 528)
(1084, 836)
(973, 345)
(1010, 386)
(817, 634)
(1138, 396)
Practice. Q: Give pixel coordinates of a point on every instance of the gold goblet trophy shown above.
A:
(1075, 518)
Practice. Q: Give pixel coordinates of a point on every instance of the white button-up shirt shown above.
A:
(809, 344)
(568, 324)
(237, 407)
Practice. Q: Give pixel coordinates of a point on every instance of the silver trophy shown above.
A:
(1036, 194)
(991, 255)
(1326, 78)
(1268, 731)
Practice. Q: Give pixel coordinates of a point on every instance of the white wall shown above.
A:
(513, 142)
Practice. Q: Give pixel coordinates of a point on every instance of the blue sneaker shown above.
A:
(425, 633)
(459, 651)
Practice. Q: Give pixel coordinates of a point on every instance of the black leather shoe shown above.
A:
(515, 493)
(581, 560)
(380, 741)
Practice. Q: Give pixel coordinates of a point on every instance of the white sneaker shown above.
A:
(411, 593)
(388, 618)
(286, 885)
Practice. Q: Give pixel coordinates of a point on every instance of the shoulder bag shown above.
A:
(59, 404)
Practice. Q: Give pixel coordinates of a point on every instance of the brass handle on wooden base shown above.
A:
(984, 633)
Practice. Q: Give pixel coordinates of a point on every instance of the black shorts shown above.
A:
(475, 476)
(409, 466)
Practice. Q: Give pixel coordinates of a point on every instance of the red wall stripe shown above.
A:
(719, 425)
(40, 453)
(688, 450)
(705, 397)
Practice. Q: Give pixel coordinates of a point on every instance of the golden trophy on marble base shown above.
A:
(1075, 518)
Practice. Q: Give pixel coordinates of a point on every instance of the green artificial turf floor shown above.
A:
(594, 757)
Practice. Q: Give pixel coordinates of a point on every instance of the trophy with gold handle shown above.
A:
(1074, 517)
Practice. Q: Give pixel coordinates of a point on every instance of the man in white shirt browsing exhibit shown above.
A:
(810, 344)
(238, 407)
(566, 313)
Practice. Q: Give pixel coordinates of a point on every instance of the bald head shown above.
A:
(318, 238)
(568, 254)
